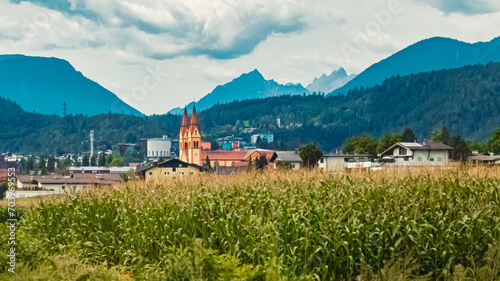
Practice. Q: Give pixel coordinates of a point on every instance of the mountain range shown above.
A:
(427, 55)
(250, 85)
(327, 84)
(44, 85)
(253, 85)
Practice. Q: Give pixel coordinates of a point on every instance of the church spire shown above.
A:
(194, 118)
(185, 118)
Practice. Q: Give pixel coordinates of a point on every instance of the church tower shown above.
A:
(190, 139)
(184, 138)
(194, 139)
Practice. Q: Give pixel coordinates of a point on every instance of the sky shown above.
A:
(157, 55)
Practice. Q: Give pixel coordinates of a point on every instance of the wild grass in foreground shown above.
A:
(423, 224)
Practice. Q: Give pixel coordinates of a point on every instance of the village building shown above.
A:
(332, 162)
(159, 148)
(416, 154)
(3, 168)
(288, 156)
(485, 159)
(103, 170)
(169, 168)
(267, 137)
(60, 184)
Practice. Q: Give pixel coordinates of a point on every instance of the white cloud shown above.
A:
(200, 44)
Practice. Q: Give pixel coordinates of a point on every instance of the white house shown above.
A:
(59, 184)
(416, 154)
(331, 162)
(268, 137)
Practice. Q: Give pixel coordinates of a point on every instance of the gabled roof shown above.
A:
(485, 158)
(223, 155)
(74, 179)
(172, 163)
(418, 146)
(348, 155)
(289, 156)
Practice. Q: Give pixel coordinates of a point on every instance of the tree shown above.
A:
(23, 166)
(387, 141)
(445, 136)
(461, 151)
(261, 162)
(436, 136)
(310, 154)
(208, 165)
(116, 160)
(493, 144)
(361, 145)
(102, 160)
(408, 136)
(51, 164)
(42, 165)
(30, 165)
(86, 161)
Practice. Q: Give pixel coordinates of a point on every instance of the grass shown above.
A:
(401, 224)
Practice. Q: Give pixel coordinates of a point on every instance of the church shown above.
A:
(190, 139)
(195, 152)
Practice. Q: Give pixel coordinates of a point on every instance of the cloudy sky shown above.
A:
(160, 54)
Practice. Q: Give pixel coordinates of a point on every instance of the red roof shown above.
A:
(223, 155)
(235, 155)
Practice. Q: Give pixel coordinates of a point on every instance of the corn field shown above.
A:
(303, 225)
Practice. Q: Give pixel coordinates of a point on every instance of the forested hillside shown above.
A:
(465, 100)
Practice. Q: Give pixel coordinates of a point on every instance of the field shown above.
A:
(421, 224)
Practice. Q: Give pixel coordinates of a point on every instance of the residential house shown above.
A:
(485, 159)
(102, 169)
(288, 156)
(267, 137)
(73, 182)
(169, 168)
(337, 161)
(3, 168)
(416, 154)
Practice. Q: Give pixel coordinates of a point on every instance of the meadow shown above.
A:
(400, 224)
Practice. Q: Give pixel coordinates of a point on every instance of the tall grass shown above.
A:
(308, 224)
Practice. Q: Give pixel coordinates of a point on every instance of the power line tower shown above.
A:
(64, 109)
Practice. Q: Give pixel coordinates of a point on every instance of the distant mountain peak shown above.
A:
(341, 72)
(427, 55)
(327, 84)
(254, 74)
(43, 84)
(251, 85)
